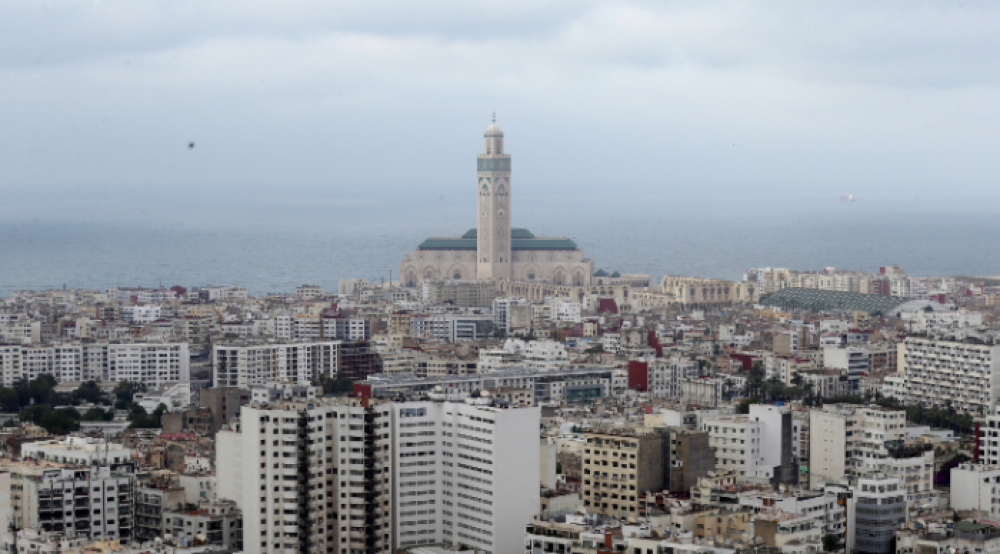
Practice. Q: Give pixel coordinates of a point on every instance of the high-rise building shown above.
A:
(619, 467)
(310, 478)
(364, 476)
(93, 501)
(880, 511)
(762, 445)
(943, 371)
(848, 443)
(245, 364)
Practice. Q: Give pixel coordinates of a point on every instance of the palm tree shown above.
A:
(727, 388)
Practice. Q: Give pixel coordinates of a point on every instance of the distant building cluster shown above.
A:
(505, 396)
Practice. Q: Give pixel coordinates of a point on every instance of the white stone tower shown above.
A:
(493, 228)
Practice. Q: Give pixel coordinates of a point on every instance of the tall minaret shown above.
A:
(493, 229)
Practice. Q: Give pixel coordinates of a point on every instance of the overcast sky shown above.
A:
(876, 98)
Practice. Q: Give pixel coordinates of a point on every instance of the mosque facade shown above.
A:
(494, 249)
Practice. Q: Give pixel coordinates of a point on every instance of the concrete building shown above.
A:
(855, 442)
(319, 475)
(855, 361)
(153, 364)
(450, 327)
(308, 292)
(495, 250)
(374, 476)
(477, 475)
(570, 384)
(466, 294)
(880, 511)
(939, 371)
(828, 515)
(156, 494)
(245, 364)
(224, 403)
(214, 522)
(965, 536)
(77, 451)
(761, 446)
(92, 501)
(974, 487)
(619, 466)
(689, 458)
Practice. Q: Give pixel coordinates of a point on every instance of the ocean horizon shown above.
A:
(271, 244)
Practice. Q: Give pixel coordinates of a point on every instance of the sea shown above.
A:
(272, 242)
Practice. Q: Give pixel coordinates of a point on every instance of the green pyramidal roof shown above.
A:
(514, 234)
(521, 239)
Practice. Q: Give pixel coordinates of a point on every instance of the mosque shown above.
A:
(494, 250)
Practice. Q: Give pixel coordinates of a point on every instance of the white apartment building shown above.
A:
(318, 475)
(156, 296)
(91, 501)
(853, 442)
(921, 321)
(448, 327)
(544, 355)
(141, 314)
(77, 451)
(21, 331)
(665, 375)
(976, 487)
(461, 474)
(491, 360)
(502, 308)
(754, 446)
(153, 364)
(938, 371)
(248, 364)
(346, 287)
(563, 310)
(308, 292)
(894, 386)
(230, 293)
(821, 507)
(329, 328)
(358, 475)
(855, 360)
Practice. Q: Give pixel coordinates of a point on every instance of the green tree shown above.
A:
(124, 392)
(831, 543)
(34, 414)
(58, 422)
(142, 420)
(89, 392)
(9, 400)
(98, 413)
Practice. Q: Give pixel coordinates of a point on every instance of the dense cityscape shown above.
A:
(506, 394)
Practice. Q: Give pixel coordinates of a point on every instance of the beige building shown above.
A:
(495, 250)
(697, 291)
(619, 467)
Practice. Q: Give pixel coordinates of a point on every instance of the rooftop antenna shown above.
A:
(494, 117)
